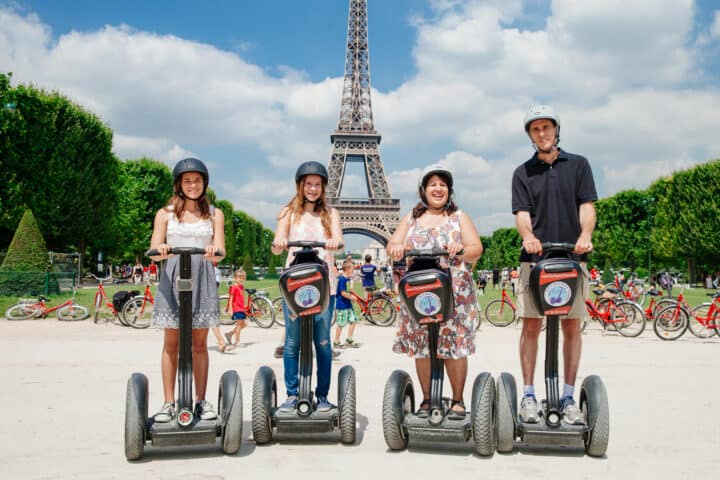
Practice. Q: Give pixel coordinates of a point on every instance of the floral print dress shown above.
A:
(457, 338)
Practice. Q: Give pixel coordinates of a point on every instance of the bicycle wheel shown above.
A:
(225, 315)
(22, 311)
(637, 294)
(670, 323)
(603, 306)
(701, 325)
(382, 311)
(72, 313)
(500, 313)
(628, 318)
(137, 312)
(665, 302)
(262, 312)
(278, 308)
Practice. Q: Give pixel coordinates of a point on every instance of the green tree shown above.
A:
(23, 269)
(248, 267)
(504, 249)
(227, 209)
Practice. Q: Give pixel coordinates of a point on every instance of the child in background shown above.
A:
(343, 307)
(236, 299)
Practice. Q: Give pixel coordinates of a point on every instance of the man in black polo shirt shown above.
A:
(552, 200)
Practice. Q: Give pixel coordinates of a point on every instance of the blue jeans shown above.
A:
(323, 350)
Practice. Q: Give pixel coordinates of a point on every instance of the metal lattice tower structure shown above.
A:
(356, 140)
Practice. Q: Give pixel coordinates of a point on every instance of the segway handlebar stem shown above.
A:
(180, 250)
(309, 244)
(558, 247)
(430, 252)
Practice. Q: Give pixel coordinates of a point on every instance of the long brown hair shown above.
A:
(177, 202)
(296, 204)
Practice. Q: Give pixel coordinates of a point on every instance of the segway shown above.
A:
(426, 291)
(306, 290)
(553, 284)
(185, 428)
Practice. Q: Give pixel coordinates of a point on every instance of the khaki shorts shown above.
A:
(526, 306)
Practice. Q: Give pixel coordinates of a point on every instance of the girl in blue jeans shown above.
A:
(308, 217)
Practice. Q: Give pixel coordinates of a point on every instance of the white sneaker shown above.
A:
(205, 410)
(529, 409)
(166, 413)
(571, 413)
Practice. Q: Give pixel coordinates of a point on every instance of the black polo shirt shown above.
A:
(553, 194)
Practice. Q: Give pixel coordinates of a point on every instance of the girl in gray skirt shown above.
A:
(188, 221)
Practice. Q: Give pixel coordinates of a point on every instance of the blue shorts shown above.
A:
(238, 316)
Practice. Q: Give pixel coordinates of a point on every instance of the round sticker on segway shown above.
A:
(307, 296)
(427, 303)
(557, 294)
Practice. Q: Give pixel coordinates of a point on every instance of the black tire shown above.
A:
(72, 313)
(398, 400)
(499, 313)
(347, 404)
(707, 329)
(483, 415)
(278, 308)
(21, 312)
(264, 401)
(670, 323)
(136, 411)
(225, 316)
(594, 404)
(262, 312)
(381, 311)
(505, 413)
(629, 318)
(136, 314)
(231, 411)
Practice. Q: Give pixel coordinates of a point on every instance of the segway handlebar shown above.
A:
(180, 250)
(309, 244)
(429, 252)
(557, 247)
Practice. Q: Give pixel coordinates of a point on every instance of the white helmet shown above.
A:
(538, 112)
(435, 168)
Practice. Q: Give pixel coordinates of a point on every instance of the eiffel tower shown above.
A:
(356, 140)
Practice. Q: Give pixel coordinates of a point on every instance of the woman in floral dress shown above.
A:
(436, 221)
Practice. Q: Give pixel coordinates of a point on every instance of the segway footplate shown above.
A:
(170, 434)
(316, 422)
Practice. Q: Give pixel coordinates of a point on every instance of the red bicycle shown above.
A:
(27, 309)
(137, 312)
(625, 316)
(501, 312)
(104, 307)
(672, 322)
(377, 308)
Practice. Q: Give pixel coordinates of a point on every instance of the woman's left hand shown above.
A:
(210, 251)
(453, 248)
(332, 244)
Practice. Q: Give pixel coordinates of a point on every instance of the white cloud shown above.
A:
(715, 27)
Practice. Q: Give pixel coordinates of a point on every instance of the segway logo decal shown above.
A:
(294, 284)
(307, 296)
(412, 290)
(428, 303)
(546, 277)
(557, 294)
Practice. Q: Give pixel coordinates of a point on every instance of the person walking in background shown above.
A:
(307, 216)
(552, 200)
(367, 270)
(481, 282)
(236, 300)
(495, 278)
(137, 273)
(343, 308)
(188, 221)
(437, 222)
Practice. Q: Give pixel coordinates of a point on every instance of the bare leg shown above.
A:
(169, 362)
(239, 325)
(422, 366)
(572, 347)
(338, 331)
(351, 330)
(457, 373)
(200, 361)
(529, 347)
(218, 338)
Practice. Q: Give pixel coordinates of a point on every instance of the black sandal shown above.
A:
(454, 414)
(424, 410)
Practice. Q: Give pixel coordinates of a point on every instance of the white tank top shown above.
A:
(182, 234)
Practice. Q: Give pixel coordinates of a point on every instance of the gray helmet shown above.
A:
(311, 168)
(538, 112)
(435, 168)
(191, 165)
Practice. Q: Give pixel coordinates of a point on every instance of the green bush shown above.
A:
(26, 261)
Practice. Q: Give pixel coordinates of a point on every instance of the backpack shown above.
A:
(121, 297)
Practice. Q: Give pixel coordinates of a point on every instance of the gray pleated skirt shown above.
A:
(206, 313)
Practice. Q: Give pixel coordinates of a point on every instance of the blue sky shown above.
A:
(253, 88)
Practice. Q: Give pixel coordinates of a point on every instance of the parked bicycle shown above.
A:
(501, 312)
(625, 316)
(377, 307)
(38, 308)
(106, 309)
(672, 322)
(258, 309)
(137, 311)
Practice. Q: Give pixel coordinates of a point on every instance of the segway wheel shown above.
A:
(264, 399)
(231, 411)
(348, 404)
(594, 404)
(505, 412)
(483, 415)
(136, 409)
(398, 401)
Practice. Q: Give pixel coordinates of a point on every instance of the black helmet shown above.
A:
(311, 168)
(191, 165)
